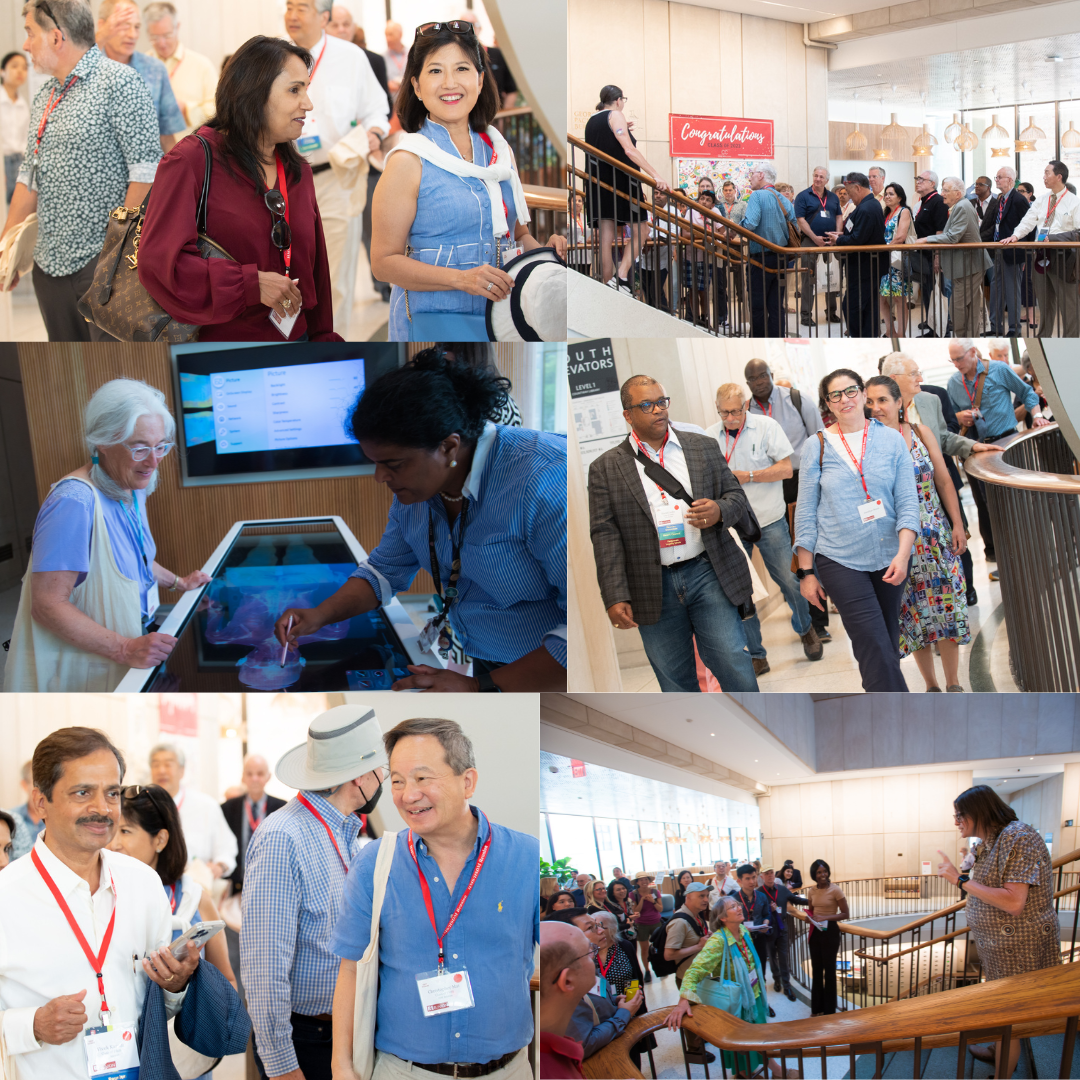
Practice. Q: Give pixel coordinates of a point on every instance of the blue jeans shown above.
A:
(695, 606)
(775, 548)
(12, 162)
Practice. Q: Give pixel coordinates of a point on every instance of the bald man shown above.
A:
(341, 23)
(395, 56)
(245, 812)
(567, 974)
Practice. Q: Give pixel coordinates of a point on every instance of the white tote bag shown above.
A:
(367, 969)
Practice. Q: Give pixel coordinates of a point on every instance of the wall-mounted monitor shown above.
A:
(248, 414)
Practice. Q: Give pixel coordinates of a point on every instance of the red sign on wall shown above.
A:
(720, 137)
(577, 768)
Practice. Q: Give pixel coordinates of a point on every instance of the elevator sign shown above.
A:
(722, 137)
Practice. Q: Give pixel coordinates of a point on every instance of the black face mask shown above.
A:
(370, 804)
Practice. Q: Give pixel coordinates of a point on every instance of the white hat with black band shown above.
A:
(342, 745)
(535, 310)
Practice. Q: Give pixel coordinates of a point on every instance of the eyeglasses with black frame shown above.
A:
(280, 233)
(455, 26)
(648, 406)
(133, 791)
(593, 952)
(848, 391)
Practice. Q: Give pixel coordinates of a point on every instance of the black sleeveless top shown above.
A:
(598, 133)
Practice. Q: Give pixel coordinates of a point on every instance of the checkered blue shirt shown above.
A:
(293, 887)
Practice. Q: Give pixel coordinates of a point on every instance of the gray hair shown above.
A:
(894, 363)
(953, 182)
(608, 922)
(114, 410)
(324, 5)
(722, 905)
(27, 772)
(107, 7)
(73, 17)
(160, 9)
(1009, 171)
(965, 343)
(821, 168)
(768, 171)
(933, 176)
(877, 169)
(168, 748)
(455, 743)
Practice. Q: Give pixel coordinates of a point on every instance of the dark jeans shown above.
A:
(58, 299)
(653, 282)
(818, 616)
(870, 610)
(775, 548)
(778, 959)
(824, 945)
(1005, 294)
(313, 1041)
(696, 607)
(765, 295)
(861, 307)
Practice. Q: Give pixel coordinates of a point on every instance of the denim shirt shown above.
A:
(827, 515)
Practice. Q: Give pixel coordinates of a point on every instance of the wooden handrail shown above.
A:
(1011, 476)
(521, 110)
(1069, 856)
(538, 197)
(884, 935)
(1037, 1002)
(914, 948)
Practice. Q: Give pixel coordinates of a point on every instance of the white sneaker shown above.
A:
(613, 283)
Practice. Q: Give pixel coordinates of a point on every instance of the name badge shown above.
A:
(284, 326)
(1042, 234)
(446, 991)
(825, 213)
(428, 636)
(753, 976)
(670, 526)
(111, 1052)
(309, 140)
(870, 511)
(153, 600)
(601, 988)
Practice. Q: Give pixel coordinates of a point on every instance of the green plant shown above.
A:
(560, 869)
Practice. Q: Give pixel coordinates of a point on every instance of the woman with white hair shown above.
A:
(91, 590)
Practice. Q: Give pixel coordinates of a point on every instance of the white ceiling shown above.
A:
(711, 725)
(791, 12)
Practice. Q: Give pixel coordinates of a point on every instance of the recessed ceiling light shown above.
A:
(755, 761)
(713, 734)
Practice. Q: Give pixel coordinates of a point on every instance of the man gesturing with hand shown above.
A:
(660, 504)
(82, 928)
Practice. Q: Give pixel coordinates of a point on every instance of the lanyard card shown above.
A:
(753, 976)
(309, 140)
(871, 510)
(1042, 234)
(824, 213)
(284, 326)
(430, 634)
(445, 991)
(600, 989)
(670, 525)
(153, 600)
(111, 1052)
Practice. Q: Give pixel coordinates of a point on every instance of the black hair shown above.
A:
(568, 915)
(411, 110)
(64, 745)
(428, 399)
(611, 889)
(901, 194)
(985, 807)
(243, 91)
(555, 896)
(609, 94)
(789, 862)
(152, 810)
(1061, 169)
(857, 178)
(9, 821)
(890, 385)
(678, 880)
(746, 868)
(823, 401)
(784, 868)
(814, 869)
(11, 56)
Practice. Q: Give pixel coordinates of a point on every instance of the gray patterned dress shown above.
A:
(1008, 944)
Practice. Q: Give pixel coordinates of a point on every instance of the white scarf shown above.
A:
(491, 175)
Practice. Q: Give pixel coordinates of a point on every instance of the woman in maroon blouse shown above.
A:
(278, 256)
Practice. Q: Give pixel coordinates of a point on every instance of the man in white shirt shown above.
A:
(193, 77)
(876, 176)
(345, 93)
(1058, 211)
(759, 455)
(49, 991)
(206, 832)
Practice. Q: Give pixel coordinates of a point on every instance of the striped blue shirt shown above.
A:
(493, 939)
(512, 590)
(764, 216)
(293, 886)
(996, 403)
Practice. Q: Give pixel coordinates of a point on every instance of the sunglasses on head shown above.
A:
(455, 26)
(280, 233)
(133, 791)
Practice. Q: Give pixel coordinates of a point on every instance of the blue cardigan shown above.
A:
(827, 518)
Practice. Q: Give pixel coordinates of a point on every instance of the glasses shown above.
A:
(280, 233)
(593, 951)
(455, 26)
(848, 391)
(133, 791)
(726, 413)
(162, 37)
(648, 406)
(958, 818)
(141, 452)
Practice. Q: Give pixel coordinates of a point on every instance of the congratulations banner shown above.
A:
(720, 137)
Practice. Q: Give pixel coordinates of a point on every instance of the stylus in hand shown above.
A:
(285, 647)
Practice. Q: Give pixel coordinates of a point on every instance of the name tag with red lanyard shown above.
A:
(285, 324)
(509, 248)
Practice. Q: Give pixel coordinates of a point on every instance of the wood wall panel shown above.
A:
(187, 523)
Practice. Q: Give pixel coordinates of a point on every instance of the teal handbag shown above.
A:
(721, 993)
(447, 326)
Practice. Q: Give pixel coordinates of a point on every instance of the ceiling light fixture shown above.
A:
(1071, 140)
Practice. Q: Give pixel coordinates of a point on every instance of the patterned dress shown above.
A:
(893, 283)
(935, 599)
(1014, 944)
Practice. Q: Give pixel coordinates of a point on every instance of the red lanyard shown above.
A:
(824, 202)
(754, 401)
(311, 77)
(177, 68)
(728, 453)
(495, 157)
(180, 801)
(284, 189)
(862, 453)
(49, 109)
(1051, 206)
(252, 823)
(96, 962)
(315, 813)
(641, 447)
(611, 960)
(171, 890)
(963, 379)
(440, 938)
(776, 893)
(749, 908)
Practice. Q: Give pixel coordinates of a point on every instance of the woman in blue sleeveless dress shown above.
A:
(150, 831)
(449, 210)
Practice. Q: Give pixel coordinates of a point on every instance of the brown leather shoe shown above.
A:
(811, 645)
(761, 666)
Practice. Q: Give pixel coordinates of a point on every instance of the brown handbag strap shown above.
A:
(821, 451)
(787, 221)
(105, 292)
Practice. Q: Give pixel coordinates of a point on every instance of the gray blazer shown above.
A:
(929, 406)
(625, 544)
(961, 228)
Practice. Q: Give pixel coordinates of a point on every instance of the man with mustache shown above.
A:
(73, 915)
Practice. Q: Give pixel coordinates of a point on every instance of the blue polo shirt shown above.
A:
(493, 939)
(808, 205)
(996, 404)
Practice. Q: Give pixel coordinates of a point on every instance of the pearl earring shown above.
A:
(453, 464)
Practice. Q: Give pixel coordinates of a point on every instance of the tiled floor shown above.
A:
(837, 671)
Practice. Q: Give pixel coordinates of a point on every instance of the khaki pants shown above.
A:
(343, 235)
(967, 305)
(1057, 299)
(388, 1067)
